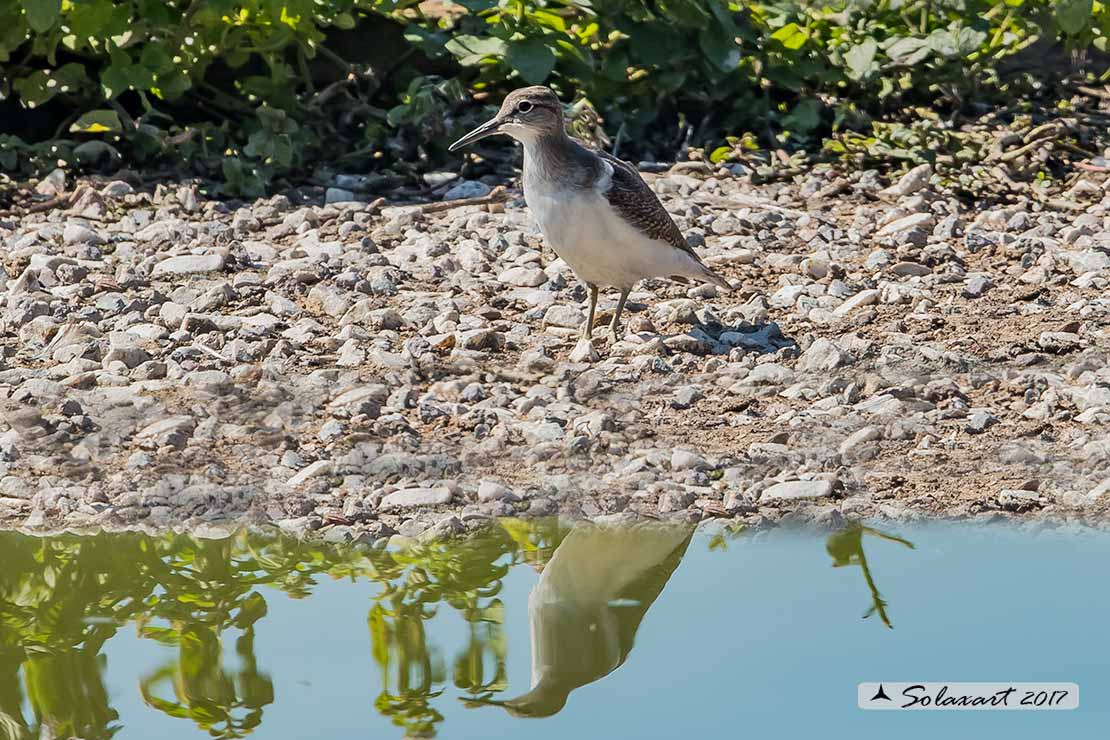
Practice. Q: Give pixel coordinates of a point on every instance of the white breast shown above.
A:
(594, 240)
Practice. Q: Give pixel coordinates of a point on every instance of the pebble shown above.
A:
(976, 285)
(980, 421)
(313, 470)
(686, 397)
(584, 351)
(910, 183)
(189, 264)
(417, 497)
(493, 491)
(75, 233)
(467, 189)
(339, 195)
(797, 489)
(686, 460)
(859, 300)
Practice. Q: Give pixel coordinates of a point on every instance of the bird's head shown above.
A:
(526, 114)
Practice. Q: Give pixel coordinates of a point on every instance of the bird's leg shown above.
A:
(588, 327)
(617, 316)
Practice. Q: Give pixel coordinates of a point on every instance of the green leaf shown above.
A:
(792, 36)
(97, 122)
(346, 21)
(532, 60)
(943, 42)
(88, 19)
(114, 80)
(720, 154)
(656, 44)
(42, 85)
(172, 86)
(548, 19)
(805, 117)
(685, 12)
(720, 48)
(41, 14)
(472, 50)
(908, 51)
(861, 59)
(476, 6)
(155, 58)
(1074, 16)
(968, 41)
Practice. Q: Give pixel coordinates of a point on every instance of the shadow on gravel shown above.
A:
(760, 338)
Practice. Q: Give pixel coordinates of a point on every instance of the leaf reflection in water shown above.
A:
(846, 548)
(62, 598)
(465, 574)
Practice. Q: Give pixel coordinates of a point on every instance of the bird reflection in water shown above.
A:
(587, 605)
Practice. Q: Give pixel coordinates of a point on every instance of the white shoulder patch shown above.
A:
(605, 180)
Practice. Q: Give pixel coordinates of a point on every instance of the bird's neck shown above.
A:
(552, 157)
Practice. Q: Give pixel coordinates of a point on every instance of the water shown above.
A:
(647, 633)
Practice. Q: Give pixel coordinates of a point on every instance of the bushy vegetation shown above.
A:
(246, 91)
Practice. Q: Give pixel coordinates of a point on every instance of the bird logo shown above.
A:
(880, 694)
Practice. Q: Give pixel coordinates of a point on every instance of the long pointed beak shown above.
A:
(489, 128)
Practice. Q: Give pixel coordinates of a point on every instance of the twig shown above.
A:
(45, 205)
(63, 127)
(302, 65)
(125, 119)
(1093, 92)
(496, 195)
(319, 99)
(210, 351)
(335, 58)
(1021, 151)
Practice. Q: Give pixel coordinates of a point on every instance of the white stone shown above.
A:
(489, 490)
(524, 277)
(584, 352)
(686, 460)
(859, 437)
(797, 489)
(318, 468)
(860, 299)
(910, 183)
(188, 264)
(414, 497)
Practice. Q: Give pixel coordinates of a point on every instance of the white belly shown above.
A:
(599, 246)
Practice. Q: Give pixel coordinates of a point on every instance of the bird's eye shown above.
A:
(524, 106)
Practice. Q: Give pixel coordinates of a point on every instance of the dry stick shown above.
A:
(1093, 92)
(319, 99)
(496, 195)
(1050, 128)
(45, 205)
(1091, 167)
(1021, 151)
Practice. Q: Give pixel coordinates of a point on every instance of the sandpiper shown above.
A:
(594, 210)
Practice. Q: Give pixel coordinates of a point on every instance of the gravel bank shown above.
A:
(167, 360)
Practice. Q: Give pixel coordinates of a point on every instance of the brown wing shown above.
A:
(637, 204)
